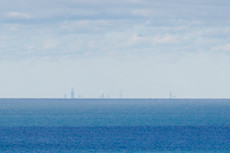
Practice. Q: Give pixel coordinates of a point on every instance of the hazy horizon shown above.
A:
(137, 49)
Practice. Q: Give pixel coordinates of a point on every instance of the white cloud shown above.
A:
(18, 15)
(135, 39)
(143, 12)
(165, 39)
(225, 47)
(50, 44)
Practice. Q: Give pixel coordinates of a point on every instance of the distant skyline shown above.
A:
(140, 47)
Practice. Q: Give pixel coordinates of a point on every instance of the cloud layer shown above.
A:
(70, 28)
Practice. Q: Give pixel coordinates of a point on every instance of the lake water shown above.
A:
(115, 125)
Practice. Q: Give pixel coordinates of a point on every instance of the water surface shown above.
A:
(115, 125)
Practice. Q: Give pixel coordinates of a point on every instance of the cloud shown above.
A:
(121, 28)
(143, 12)
(225, 47)
(165, 39)
(18, 15)
(50, 44)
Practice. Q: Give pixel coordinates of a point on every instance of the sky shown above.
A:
(137, 48)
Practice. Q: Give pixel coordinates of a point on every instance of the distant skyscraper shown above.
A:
(102, 94)
(72, 93)
(171, 95)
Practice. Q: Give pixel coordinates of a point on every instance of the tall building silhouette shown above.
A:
(72, 93)
(102, 94)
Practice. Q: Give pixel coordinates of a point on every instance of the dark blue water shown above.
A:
(128, 125)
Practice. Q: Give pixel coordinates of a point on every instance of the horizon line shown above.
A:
(124, 98)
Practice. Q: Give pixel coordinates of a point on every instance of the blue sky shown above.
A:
(140, 47)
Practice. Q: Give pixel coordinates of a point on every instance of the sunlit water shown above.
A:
(109, 125)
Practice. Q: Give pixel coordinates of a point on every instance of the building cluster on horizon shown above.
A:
(102, 95)
(72, 94)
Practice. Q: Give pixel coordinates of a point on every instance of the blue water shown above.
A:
(115, 125)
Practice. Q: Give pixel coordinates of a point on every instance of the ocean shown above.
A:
(115, 125)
